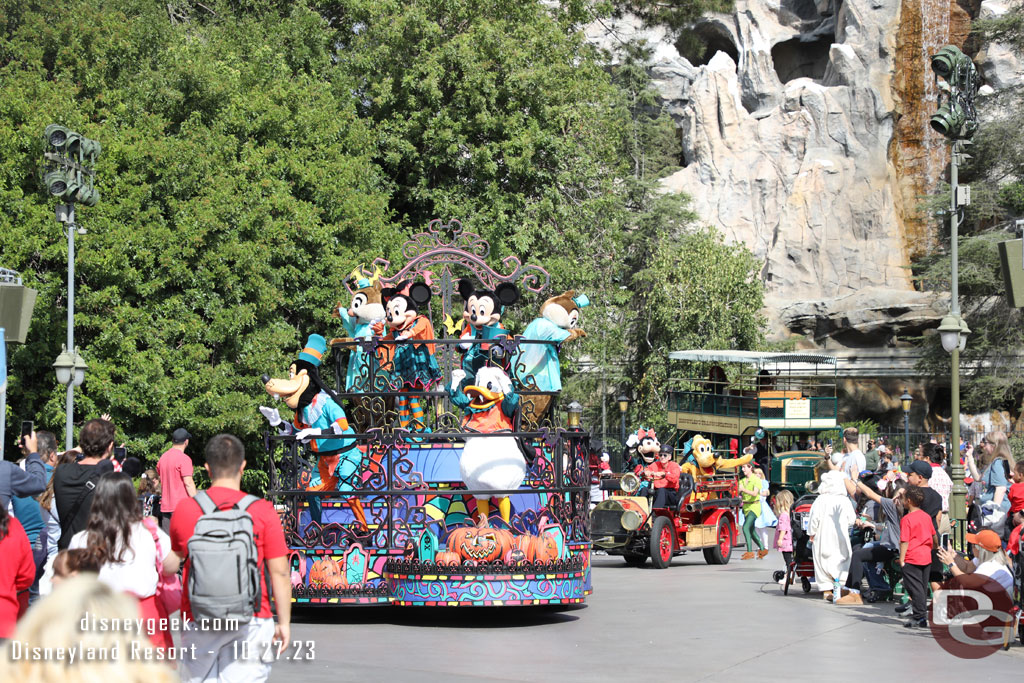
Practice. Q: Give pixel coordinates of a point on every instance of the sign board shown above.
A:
(1011, 257)
(16, 304)
(798, 409)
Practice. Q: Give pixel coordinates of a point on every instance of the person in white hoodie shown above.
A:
(831, 517)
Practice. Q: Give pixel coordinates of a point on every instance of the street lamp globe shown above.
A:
(64, 365)
(949, 333)
(623, 403)
(906, 400)
(79, 369)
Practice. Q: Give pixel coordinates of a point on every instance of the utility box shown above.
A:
(1011, 257)
(16, 304)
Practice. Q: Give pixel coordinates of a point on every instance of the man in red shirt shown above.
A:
(917, 539)
(220, 655)
(665, 476)
(175, 470)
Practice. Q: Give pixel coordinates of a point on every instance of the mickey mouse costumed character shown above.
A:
(482, 314)
(317, 414)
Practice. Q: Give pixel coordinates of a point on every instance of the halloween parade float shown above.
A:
(420, 458)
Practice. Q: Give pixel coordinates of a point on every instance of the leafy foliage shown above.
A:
(255, 152)
(238, 188)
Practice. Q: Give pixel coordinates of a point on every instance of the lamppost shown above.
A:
(955, 119)
(575, 410)
(68, 175)
(906, 399)
(623, 407)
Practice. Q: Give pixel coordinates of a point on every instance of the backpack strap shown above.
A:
(205, 503)
(245, 501)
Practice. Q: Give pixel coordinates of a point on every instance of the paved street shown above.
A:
(691, 622)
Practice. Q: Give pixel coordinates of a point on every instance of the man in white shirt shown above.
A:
(854, 461)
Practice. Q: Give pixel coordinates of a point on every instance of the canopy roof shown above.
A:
(752, 357)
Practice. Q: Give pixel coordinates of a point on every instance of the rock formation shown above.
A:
(805, 136)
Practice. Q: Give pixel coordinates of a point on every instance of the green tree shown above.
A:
(238, 190)
(993, 378)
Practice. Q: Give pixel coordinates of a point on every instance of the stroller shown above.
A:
(802, 566)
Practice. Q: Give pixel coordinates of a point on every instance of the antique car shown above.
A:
(796, 471)
(705, 519)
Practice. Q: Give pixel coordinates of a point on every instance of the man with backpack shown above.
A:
(235, 555)
(75, 482)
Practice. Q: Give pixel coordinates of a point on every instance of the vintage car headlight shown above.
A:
(629, 483)
(631, 520)
(810, 486)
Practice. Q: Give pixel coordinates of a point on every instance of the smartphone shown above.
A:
(27, 426)
(830, 442)
(944, 541)
(120, 453)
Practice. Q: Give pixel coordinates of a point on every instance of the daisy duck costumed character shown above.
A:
(320, 420)
(489, 405)
(559, 316)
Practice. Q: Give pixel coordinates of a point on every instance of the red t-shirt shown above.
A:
(1013, 545)
(17, 572)
(916, 531)
(173, 466)
(671, 478)
(1016, 494)
(266, 527)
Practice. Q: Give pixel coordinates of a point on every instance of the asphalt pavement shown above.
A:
(690, 622)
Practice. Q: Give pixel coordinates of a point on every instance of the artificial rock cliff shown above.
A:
(805, 136)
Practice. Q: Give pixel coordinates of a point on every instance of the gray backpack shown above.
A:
(224, 578)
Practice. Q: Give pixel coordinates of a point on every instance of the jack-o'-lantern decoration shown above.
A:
(447, 557)
(545, 548)
(515, 556)
(480, 543)
(542, 548)
(327, 573)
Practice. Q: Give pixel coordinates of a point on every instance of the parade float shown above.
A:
(434, 467)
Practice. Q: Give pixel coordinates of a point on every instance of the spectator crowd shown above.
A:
(89, 532)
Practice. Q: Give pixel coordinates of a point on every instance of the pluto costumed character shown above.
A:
(559, 316)
(489, 405)
(319, 417)
(704, 462)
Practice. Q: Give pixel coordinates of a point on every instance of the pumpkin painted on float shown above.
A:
(515, 556)
(543, 548)
(326, 573)
(481, 544)
(446, 557)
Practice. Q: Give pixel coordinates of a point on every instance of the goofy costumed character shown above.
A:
(319, 416)
(489, 405)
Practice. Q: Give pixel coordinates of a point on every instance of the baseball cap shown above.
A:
(180, 434)
(759, 434)
(921, 468)
(987, 539)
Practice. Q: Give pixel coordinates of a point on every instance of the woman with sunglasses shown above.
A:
(997, 463)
